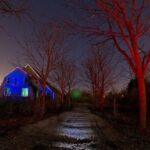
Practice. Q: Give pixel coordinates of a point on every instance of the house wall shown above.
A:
(16, 84)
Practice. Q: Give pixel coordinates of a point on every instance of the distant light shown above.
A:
(75, 94)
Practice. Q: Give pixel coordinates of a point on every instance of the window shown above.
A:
(15, 81)
(26, 80)
(7, 92)
(25, 92)
(8, 80)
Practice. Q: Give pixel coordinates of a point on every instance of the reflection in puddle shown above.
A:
(79, 134)
(75, 132)
(84, 146)
(76, 124)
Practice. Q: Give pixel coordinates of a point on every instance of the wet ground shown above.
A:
(78, 129)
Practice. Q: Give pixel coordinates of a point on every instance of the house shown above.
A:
(23, 82)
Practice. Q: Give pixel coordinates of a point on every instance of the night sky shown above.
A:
(15, 28)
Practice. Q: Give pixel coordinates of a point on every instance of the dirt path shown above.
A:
(74, 130)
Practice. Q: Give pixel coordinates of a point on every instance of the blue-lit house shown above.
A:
(23, 82)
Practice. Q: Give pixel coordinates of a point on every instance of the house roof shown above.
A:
(54, 89)
(16, 69)
(33, 72)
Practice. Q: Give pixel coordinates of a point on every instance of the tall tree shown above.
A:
(71, 78)
(64, 77)
(11, 8)
(43, 51)
(99, 74)
(8, 7)
(126, 24)
(59, 77)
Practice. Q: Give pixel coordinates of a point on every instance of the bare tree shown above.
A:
(126, 24)
(8, 7)
(70, 78)
(99, 74)
(59, 76)
(11, 8)
(64, 76)
(43, 51)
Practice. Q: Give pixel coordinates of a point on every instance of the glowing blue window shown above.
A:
(25, 92)
(7, 92)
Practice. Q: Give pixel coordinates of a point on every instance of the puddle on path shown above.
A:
(75, 132)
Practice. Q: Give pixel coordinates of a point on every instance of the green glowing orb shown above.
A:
(75, 94)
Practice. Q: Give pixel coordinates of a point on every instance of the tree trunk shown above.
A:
(42, 106)
(94, 99)
(69, 98)
(102, 102)
(62, 97)
(114, 106)
(42, 100)
(142, 103)
(62, 91)
(102, 99)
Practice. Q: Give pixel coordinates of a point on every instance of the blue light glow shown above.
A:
(7, 92)
(17, 84)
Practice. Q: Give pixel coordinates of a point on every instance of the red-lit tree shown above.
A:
(59, 77)
(126, 24)
(71, 79)
(99, 74)
(64, 77)
(11, 8)
(43, 51)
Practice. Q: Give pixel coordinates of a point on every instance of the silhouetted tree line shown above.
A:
(126, 99)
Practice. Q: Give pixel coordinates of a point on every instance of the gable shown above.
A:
(16, 72)
(17, 75)
(19, 82)
(31, 72)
